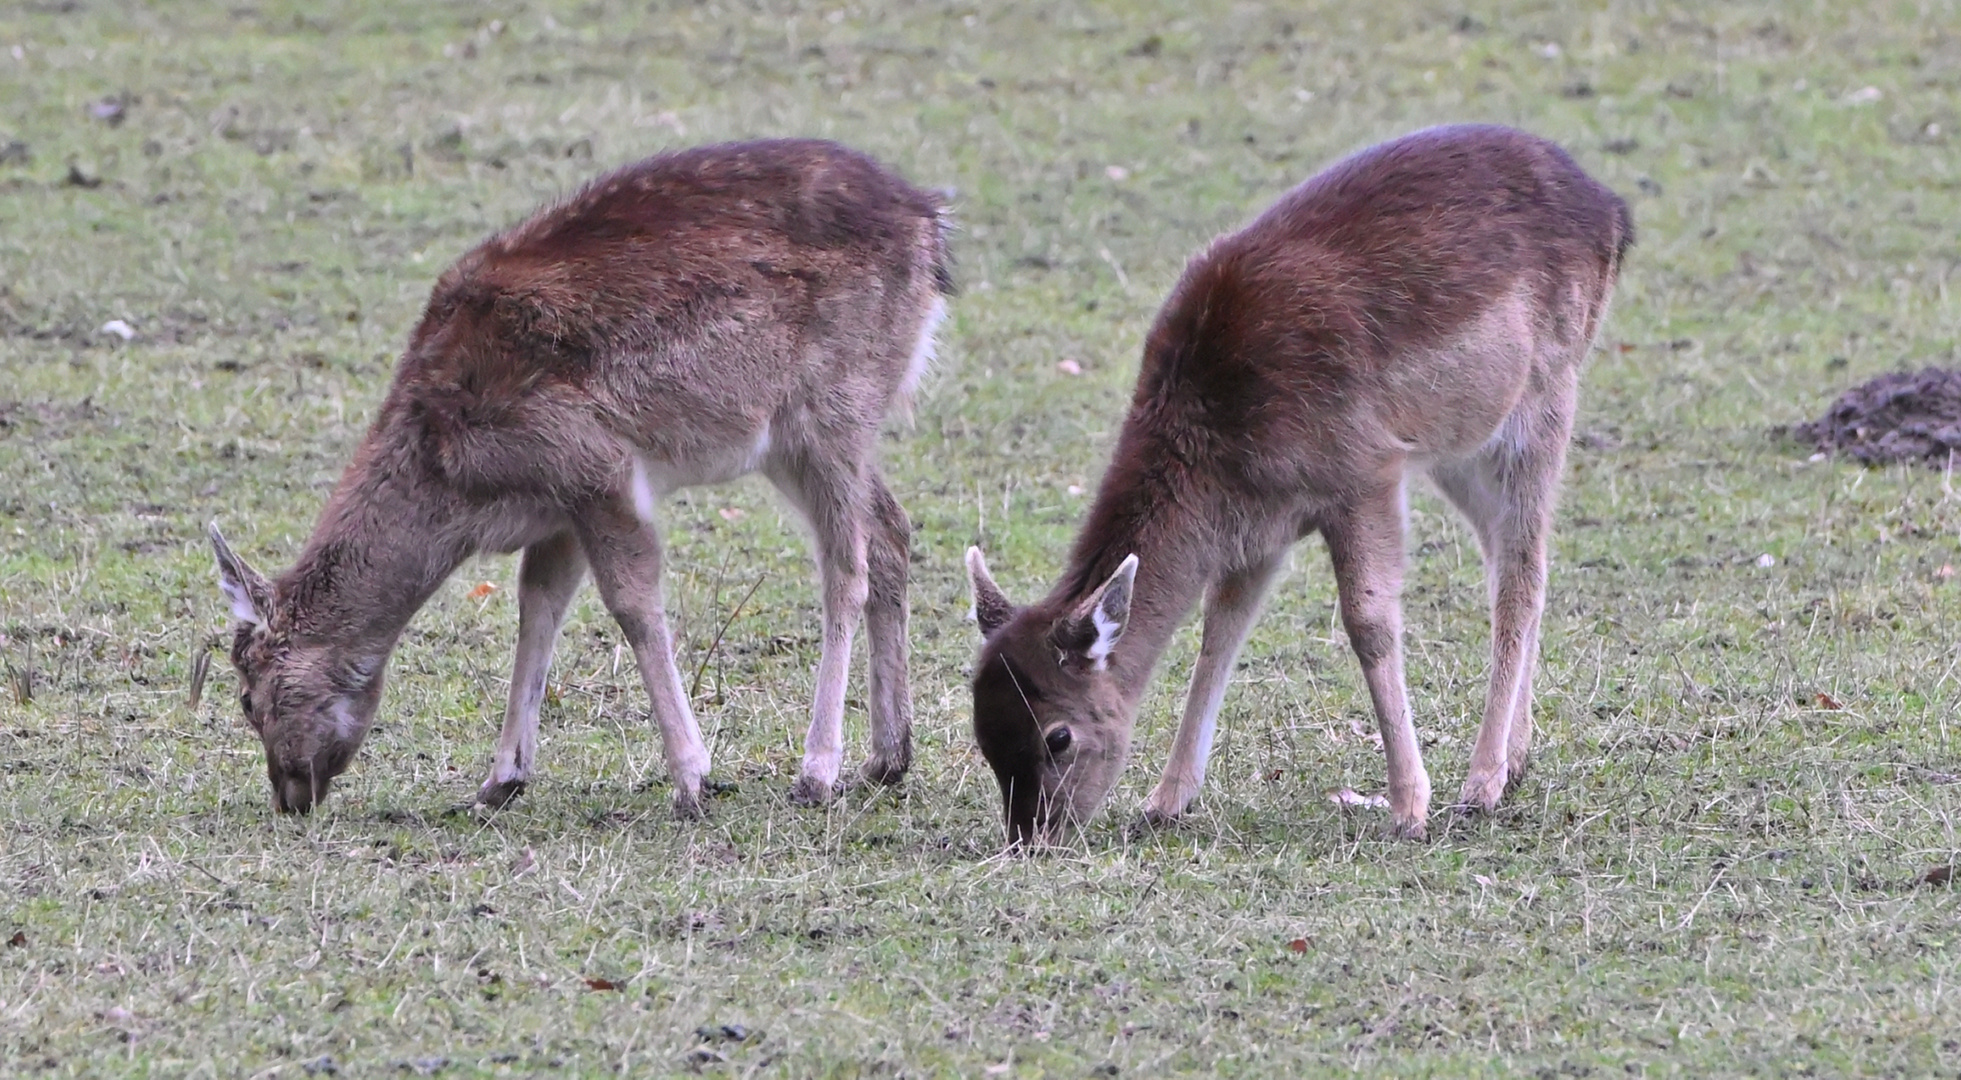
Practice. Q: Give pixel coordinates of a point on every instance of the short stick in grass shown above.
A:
(1421, 308)
(751, 307)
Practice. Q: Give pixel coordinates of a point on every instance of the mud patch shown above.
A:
(1903, 416)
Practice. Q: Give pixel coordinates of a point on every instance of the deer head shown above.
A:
(310, 703)
(1048, 714)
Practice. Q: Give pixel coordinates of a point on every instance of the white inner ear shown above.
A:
(241, 601)
(1110, 627)
(1108, 630)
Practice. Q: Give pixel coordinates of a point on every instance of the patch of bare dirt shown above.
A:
(1903, 416)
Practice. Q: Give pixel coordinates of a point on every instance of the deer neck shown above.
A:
(1145, 506)
(385, 542)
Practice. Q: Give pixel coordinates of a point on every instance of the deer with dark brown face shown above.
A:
(1420, 308)
(684, 320)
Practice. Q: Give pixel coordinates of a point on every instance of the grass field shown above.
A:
(1749, 763)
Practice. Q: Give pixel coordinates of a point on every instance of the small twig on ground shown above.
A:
(193, 864)
(726, 623)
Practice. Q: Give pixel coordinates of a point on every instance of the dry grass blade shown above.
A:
(200, 671)
(695, 686)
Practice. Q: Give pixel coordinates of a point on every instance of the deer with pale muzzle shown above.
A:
(750, 307)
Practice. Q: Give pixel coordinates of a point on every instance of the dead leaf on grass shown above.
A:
(601, 984)
(732, 513)
(1939, 875)
(1069, 367)
(483, 589)
(1827, 701)
(1351, 797)
(19, 940)
(1298, 945)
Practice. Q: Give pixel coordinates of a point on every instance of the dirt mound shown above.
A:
(1897, 417)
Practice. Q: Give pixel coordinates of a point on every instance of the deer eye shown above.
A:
(1059, 738)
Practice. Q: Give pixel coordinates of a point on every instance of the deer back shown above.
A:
(670, 308)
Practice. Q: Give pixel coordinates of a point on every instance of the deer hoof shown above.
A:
(1407, 828)
(1516, 766)
(687, 804)
(1483, 793)
(810, 791)
(1167, 807)
(884, 770)
(496, 794)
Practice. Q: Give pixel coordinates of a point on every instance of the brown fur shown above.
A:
(1424, 305)
(682, 320)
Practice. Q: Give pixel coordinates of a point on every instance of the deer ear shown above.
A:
(249, 592)
(991, 610)
(1097, 624)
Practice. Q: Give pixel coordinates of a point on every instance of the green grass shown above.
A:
(1709, 872)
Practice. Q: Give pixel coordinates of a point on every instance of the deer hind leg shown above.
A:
(887, 611)
(548, 577)
(833, 498)
(625, 552)
(1231, 607)
(1507, 491)
(1365, 541)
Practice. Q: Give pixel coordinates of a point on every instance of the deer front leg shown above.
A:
(831, 491)
(1508, 492)
(548, 577)
(887, 611)
(1230, 610)
(625, 554)
(1501, 754)
(1366, 545)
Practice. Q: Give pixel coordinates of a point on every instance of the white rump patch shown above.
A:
(923, 349)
